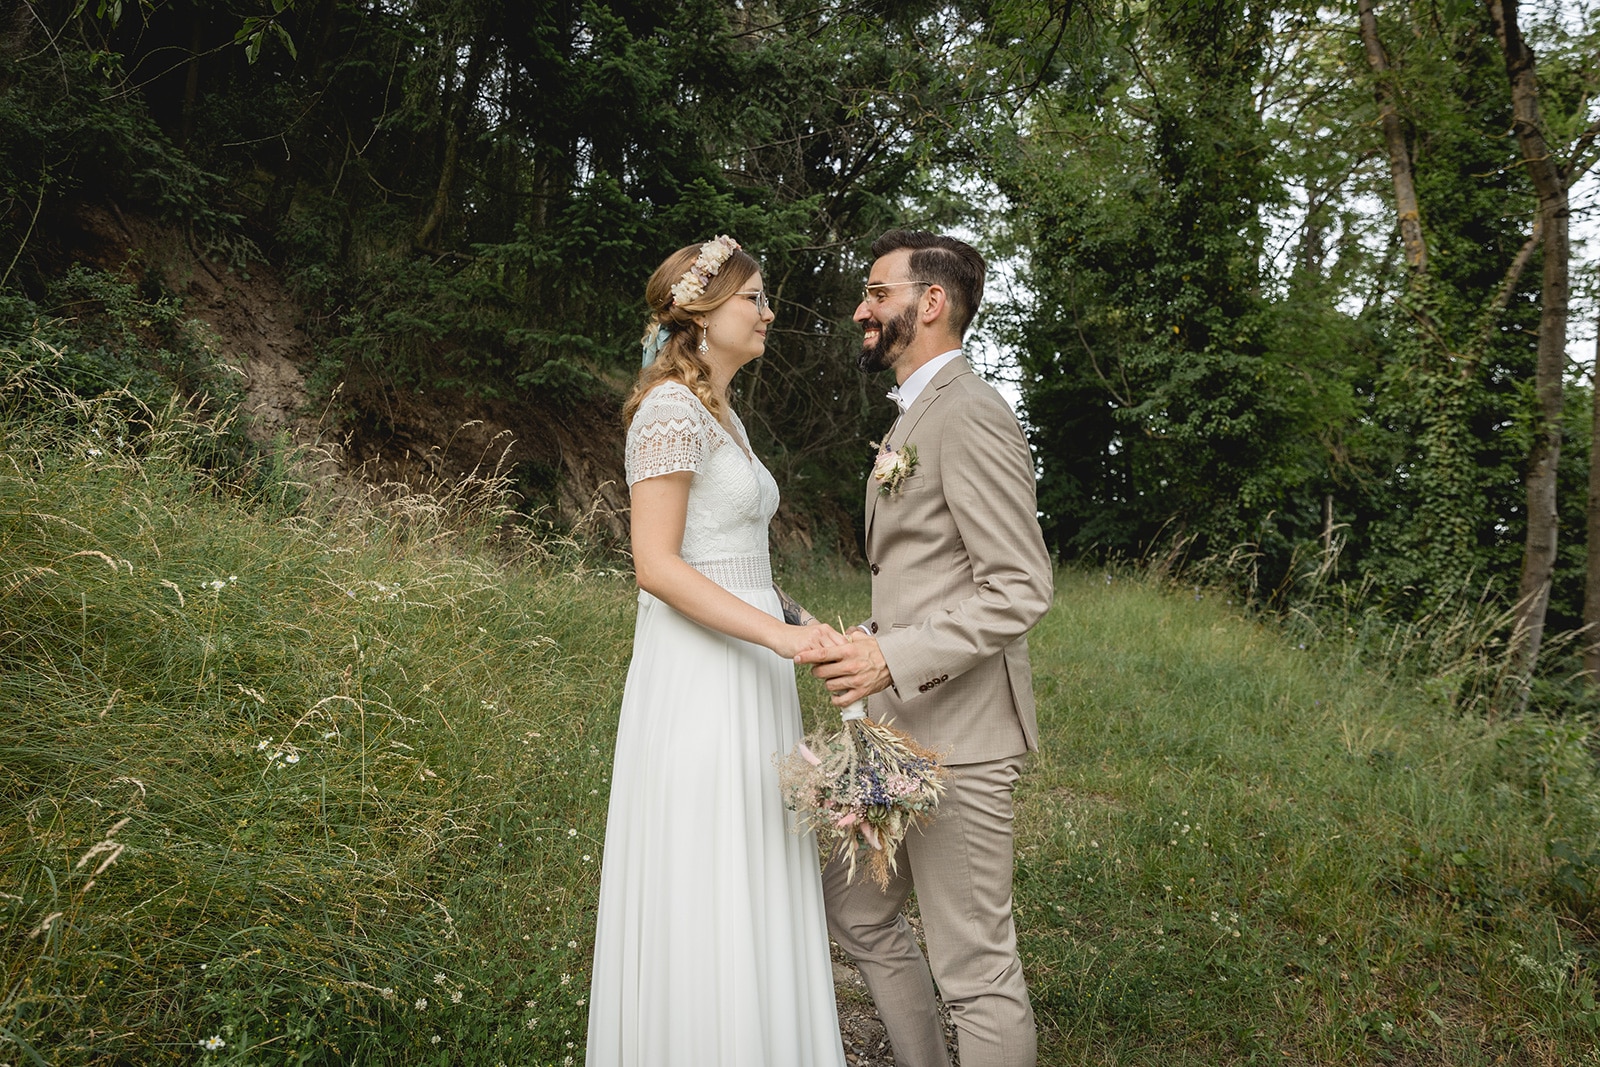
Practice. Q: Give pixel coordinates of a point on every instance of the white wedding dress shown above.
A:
(711, 947)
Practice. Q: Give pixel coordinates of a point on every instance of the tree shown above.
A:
(1172, 394)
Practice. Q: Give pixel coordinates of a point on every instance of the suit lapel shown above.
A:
(872, 508)
(906, 425)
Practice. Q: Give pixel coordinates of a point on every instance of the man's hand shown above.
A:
(793, 640)
(852, 670)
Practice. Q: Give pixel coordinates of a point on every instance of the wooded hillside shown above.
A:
(1286, 290)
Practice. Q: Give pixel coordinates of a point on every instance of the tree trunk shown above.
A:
(1591, 585)
(456, 119)
(1539, 551)
(191, 79)
(1394, 137)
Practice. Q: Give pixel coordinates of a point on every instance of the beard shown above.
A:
(893, 336)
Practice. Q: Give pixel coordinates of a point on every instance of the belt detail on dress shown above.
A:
(737, 572)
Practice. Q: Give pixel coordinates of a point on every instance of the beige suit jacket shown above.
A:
(960, 574)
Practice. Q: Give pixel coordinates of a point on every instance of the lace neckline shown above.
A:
(737, 438)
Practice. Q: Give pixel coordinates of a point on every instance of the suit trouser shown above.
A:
(960, 866)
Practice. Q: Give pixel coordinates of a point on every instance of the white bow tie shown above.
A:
(899, 402)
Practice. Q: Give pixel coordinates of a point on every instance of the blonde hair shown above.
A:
(679, 359)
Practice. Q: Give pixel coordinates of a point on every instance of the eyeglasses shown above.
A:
(877, 292)
(759, 296)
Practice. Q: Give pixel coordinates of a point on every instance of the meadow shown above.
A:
(293, 778)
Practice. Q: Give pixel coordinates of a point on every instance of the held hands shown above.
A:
(794, 641)
(852, 669)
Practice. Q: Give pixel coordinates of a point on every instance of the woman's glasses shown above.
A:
(759, 296)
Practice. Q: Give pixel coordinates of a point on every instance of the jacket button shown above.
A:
(874, 627)
(874, 568)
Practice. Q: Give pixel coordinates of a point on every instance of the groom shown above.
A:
(959, 576)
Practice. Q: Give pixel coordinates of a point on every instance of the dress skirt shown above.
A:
(711, 947)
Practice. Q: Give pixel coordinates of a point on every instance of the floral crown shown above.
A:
(713, 254)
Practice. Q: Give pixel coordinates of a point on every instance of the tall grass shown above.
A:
(287, 779)
(324, 784)
(1238, 848)
(1461, 646)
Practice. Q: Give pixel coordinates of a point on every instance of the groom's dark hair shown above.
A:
(955, 266)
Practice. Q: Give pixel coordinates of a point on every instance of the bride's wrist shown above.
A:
(780, 638)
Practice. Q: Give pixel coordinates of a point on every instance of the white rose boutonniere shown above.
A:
(891, 469)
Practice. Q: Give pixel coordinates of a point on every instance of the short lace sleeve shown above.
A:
(670, 432)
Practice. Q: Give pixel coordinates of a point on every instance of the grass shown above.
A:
(1234, 849)
(328, 782)
(343, 763)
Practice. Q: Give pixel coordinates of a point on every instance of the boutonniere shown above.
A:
(891, 469)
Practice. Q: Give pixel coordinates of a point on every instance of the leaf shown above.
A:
(288, 42)
(16, 1039)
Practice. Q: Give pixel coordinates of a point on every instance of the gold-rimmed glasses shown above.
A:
(878, 292)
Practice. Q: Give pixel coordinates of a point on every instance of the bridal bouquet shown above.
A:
(865, 786)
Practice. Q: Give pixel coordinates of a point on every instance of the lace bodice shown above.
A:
(732, 496)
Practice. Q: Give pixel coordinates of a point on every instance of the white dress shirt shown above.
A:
(905, 394)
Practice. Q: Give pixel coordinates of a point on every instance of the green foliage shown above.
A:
(471, 196)
(1162, 401)
(1225, 361)
(1220, 351)
(1453, 383)
(112, 338)
(66, 133)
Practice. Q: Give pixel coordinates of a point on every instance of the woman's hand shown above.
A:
(790, 641)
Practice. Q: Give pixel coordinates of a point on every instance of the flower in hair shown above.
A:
(713, 254)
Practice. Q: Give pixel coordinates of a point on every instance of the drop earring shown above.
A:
(705, 331)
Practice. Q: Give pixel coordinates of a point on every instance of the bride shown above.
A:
(711, 946)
